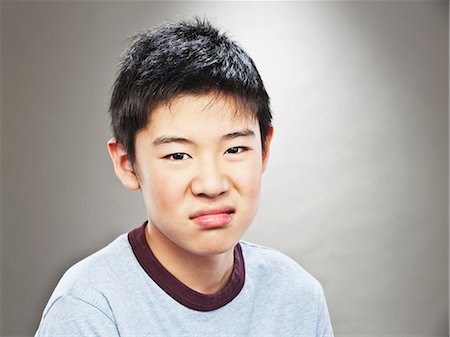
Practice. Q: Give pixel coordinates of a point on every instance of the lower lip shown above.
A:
(213, 220)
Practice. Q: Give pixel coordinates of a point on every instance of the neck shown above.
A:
(204, 274)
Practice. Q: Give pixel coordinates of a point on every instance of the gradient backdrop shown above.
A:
(357, 186)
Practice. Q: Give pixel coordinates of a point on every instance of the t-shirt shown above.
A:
(123, 290)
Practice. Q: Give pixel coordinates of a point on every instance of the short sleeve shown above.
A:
(71, 316)
(324, 328)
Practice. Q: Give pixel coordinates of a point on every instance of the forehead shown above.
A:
(201, 113)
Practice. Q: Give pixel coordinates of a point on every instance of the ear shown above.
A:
(122, 165)
(267, 148)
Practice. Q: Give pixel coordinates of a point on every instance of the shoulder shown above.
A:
(270, 266)
(289, 292)
(92, 278)
(72, 316)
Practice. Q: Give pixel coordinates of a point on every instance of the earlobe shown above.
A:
(267, 148)
(122, 165)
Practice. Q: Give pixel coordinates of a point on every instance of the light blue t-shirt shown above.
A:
(110, 294)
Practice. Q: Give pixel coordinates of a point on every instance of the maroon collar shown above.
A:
(176, 289)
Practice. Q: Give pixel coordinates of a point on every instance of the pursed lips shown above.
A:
(215, 217)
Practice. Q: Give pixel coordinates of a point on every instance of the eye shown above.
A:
(237, 149)
(178, 156)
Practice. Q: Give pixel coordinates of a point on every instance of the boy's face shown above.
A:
(199, 164)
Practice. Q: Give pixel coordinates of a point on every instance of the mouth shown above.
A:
(214, 218)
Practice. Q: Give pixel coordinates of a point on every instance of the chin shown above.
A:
(216, 246)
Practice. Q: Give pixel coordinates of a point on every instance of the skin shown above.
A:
(197, 153)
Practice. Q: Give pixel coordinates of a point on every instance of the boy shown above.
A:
(192, 130)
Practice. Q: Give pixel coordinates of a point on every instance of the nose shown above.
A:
(210, 180)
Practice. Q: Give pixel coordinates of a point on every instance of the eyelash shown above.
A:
(172, 155)
(231, 150)
(239, 149)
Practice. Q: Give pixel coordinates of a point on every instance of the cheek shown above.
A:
(249, 181)
(163, 191)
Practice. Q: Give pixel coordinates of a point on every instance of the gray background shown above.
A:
(357, 184)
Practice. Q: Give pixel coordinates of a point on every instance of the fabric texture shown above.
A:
(109, 294)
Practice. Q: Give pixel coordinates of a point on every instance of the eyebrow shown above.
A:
(168, 139)
(180, 140)
(242, 133)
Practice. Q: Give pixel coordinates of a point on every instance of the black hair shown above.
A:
(186, 57)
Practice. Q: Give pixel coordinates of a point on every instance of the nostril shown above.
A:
(210, 183)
